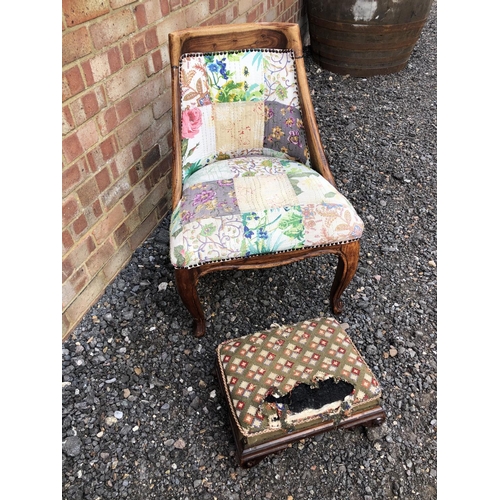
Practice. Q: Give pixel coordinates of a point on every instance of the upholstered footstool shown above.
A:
(291, 382)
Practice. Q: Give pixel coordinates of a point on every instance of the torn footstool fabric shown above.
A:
(294, 381)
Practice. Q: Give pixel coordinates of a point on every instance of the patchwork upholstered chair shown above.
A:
(251, 186)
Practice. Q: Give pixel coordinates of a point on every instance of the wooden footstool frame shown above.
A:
(237, 358)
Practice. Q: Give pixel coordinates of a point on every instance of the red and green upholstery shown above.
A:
(259, 370)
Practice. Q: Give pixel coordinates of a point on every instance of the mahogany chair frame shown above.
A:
(238, 37)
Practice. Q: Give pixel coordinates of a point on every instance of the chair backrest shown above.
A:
(239, 103)
(240, 90)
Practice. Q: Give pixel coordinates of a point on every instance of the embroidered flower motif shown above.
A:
(294, 138)
(191, 122)
(261, 233)
(268, 113)
(203, 197)
(207, 230)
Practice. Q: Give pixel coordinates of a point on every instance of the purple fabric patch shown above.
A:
(284, 130)
(208, 199)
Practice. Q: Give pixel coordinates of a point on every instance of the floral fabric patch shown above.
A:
(208, 199)
(273, 230)
(259, 205)
(284, 131)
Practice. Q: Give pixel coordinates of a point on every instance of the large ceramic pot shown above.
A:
(365, 37)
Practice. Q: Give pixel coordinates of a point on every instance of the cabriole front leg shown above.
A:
(346, 269)
(186, 281)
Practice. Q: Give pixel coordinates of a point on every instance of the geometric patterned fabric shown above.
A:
(248, 188)
(275, 361)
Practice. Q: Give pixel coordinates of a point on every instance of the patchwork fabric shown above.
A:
(274, 362)
(247, 185)
(238, 104)
(260, 205)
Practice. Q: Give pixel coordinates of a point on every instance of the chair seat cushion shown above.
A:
(245, 206)
(291, 377)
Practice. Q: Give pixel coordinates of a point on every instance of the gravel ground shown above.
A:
(142, 414)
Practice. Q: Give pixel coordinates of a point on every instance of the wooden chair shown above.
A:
(251, 186)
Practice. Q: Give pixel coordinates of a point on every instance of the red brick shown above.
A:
(129, 203)
(73, 286)
(102, 179)
(121, 234)
(80, 224)
(123, 109)
(136, 151)
(117, 261)
(97, 209)
(111, 29)
(69, 211)
(175, 4)
(165, 7)
(80, 11)
(157, 61)
(124, 159)
(133, 176)
(174, 21)
(85, 108)
(151, 39)
(197, 13)
(67, 241)
(130, 130)
(87, 73)
(73, 175)
(114, 170)
(114, 59)
(72, 82)
(140, 15)
(68, 122)
(72, 148)
(108, 121)
(127, 52)
(147, 93)
(120, 84)
(108, 148)
(254, 14)
(162, 168)
(78, 256)
(139, 47)
(88, 135)
(156, 132)
(143, 231)
(106, 226)
(88, 192)
(99, 258)
(75, 45)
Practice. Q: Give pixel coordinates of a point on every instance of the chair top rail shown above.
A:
(235, 37)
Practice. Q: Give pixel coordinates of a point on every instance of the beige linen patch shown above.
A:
(261, 192)
(239, 125)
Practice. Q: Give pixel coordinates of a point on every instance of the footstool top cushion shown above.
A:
(261, 371)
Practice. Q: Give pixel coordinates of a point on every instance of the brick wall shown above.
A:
(116, 136)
